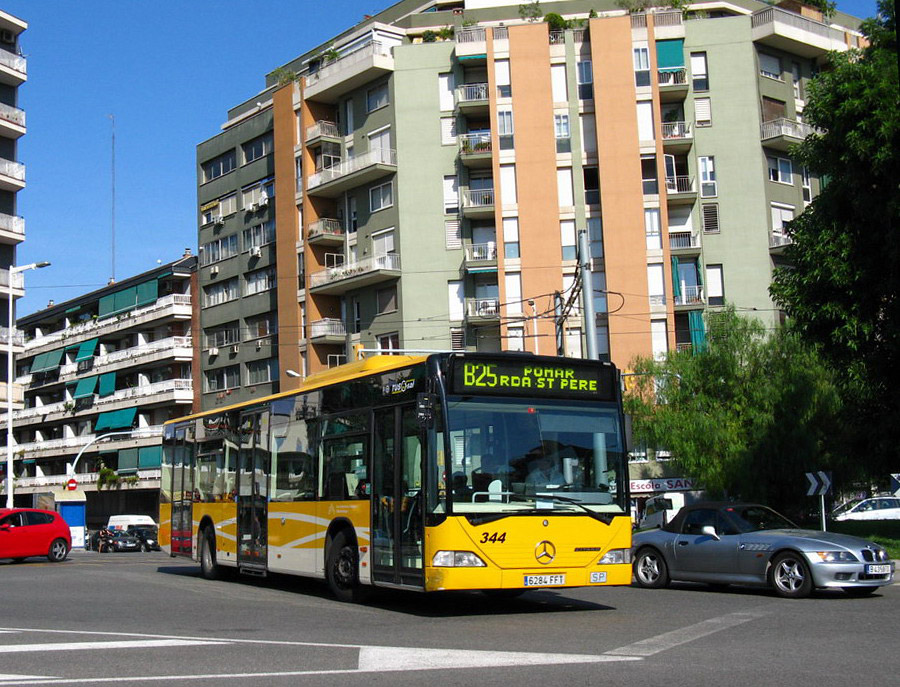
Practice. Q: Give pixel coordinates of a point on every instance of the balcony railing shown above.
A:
(18, 337)
(580, 35)
(690, 295)
(785, 127)
(500, 33)
(683, 239)
(483, 307)
(557, 37)
(363, 52)
(684, 347)
(672, 77)
(327, 327)
(322, 128)
(676, 131)
(17, 279)
(667, 19)
(83, 478)
(164, 387)
(771, 15)
(478, 198)
(777, 240)
(391, 261)
(639, 20)
(170, 343)
(150, 432)
(471, 92)
(481, 251)
(475, 144)
(12, 224)
(475, 35)
(325, 227)
(376, 156)
(680, 184)
(12, 114)
(10, 168)
(15, 62)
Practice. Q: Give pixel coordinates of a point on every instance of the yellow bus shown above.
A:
(453, 471)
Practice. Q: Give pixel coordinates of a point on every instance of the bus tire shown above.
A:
(209, 569)
(342, 568)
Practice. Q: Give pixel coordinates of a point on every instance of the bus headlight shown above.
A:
(616, 557)
(457, 559)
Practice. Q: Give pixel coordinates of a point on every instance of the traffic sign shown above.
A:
(72, 484)
(819, 483)
(895, 484)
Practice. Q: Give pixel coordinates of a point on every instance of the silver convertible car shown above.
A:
(745, 543)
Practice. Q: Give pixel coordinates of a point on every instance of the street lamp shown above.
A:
(9, 378)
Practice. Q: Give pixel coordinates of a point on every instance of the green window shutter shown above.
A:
(676, 282)
(37, 364)
(85, 387)
(115, 419)
(47, 361)
(86, 350)
(147, 292)
(698, 331)
(126, 299)
(128, 460)
(107, 384)
(150, 457)
(107, 306)
(670, 54)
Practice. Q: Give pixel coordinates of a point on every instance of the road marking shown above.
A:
(8, 676)
(87, 646)
(669, 640)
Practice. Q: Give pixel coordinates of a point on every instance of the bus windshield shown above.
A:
(510, 455)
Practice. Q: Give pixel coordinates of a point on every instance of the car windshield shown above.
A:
(846, 507)
(756, 518)
(509, 456)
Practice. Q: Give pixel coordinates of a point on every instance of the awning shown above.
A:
(128, 460)
(107, 384)
(86, 350)
(149, 457)
(670, 54)
(115, 419)
(85, 387)
(46, 361)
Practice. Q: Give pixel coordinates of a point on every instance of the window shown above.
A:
(649, 182)
(703, 112)
(655, 283)
(564, 190)
(448, 131)
(698, 71)
(505, 129)
(641, 66)
(515, 338)
(223, 378)
(258, 195)
(258, 147)
(710, 212)
(445, 91)
(389, 342)
(513, 284)
(259, 281)
(715, 289)
(260, 235)
(451, 194)
(708, 185)
(352, 216)
(261, 326)
(501, 75)
(781, 215)
(659, 338)
(795, 78)
(591, 186)
(348, 117)
(453, 234)
(773, 109)
(595, 234)
(457, 339)
(806, 183)
(381, 197)
(567, 239)
(383, 243)
(386, 300)
(645, 120)
(377, 97)
(770, 66)
(588, 133)
(220, 249)
(225, 335)
(651, 228)
(456, 300)
(780, 170)
(380, 140)
(511, 237)
(563, 135)
(558, 83)
(507, 184)
(585, 80)
(262, 371)
(218, 166)
(222, 292)
(224, 206)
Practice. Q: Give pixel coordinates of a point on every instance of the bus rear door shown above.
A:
(254, 464)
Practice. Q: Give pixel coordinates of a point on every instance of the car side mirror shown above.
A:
(710, 531)
(5, 527)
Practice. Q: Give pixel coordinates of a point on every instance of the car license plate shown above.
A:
(878, 569)
(544, 580)
(598, 577)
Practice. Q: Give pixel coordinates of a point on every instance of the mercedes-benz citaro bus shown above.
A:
(453, 471)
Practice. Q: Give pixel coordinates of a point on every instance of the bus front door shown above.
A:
(182, 491)
(397, 481)
(254, 461)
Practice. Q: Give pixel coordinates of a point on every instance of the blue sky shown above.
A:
(168, 70)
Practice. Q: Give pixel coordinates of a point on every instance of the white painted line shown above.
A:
(375, 658)
(669, 640)
(9, 676)
(89, 646)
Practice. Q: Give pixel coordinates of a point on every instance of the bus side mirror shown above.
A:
(425, 409)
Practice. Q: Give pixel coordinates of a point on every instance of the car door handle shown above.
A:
(683, 543)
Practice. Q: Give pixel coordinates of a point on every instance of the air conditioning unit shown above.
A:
(235, 348)
(213, 271)
(253, 207)
(255, 252)
(213, 351)
(218, 220)
(258, 345)
(263, 200)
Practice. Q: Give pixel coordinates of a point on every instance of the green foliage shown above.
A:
(843, 289)
(284, 76)
(746, 417)
(429, 36)
(106, 477)
(331, 55)
(825, 6)
(445, 33)
(556, 22)
(592, 14)
(531, 11)
(634, 6)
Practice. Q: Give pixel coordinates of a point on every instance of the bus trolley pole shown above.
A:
(587, 295)
(70, 468)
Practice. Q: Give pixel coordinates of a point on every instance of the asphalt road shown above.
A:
(147, 619)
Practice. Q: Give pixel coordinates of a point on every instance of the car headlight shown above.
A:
(836, 557)
(615, 556)
(457, 559)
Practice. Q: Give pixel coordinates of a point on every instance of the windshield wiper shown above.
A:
(482, 518)
(605, 518)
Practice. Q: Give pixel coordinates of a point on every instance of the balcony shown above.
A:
(12, 281)
(18, 396)
(12, 121)
(778, 241)
(680, 190)
(328, 331)
(677, 136)
(348, 72)
(325, 232)
(322, 131)
(690, 296)
(147, 478)
(12, 229)
(342, 278)
(13, 68)
(478, 203)
(673, 85)
(355, 171)
(792, 33)
(781, 133)
(475, 150)
(472, 99)
(471, 45)
(12, 175)
(70, 445)
(481, 257)
(684, 241)
(483, 309)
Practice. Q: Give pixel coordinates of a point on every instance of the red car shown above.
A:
(28, 532)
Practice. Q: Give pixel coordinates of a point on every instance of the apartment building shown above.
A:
(100, 374)
(421, 180)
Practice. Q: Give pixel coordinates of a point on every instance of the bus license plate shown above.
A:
(878, 569)
(544, 580)
(598, 577)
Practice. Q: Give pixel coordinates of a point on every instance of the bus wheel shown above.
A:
(342, 569)
(208, 567)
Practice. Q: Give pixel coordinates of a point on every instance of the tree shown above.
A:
(842, 289)
(531, 11)
(746, 417)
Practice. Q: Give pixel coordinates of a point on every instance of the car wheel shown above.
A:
(342, 569)
(790, 577)
(650, 569)
(208, 567)
(859, 591)
(58, 551)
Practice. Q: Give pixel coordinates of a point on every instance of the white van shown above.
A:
(123, 522)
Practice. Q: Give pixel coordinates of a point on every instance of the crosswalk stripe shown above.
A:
(102, 646)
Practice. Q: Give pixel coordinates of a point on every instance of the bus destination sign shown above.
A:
(537, 378)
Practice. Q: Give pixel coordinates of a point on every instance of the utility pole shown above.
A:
(558, 321)
(587, 295)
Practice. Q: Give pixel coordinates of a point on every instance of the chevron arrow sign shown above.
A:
(819, 483)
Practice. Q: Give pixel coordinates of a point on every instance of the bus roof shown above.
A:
(343, 373)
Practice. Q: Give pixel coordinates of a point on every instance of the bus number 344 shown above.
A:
(493, 537)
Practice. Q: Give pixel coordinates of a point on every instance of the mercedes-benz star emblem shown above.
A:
(545, 552)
